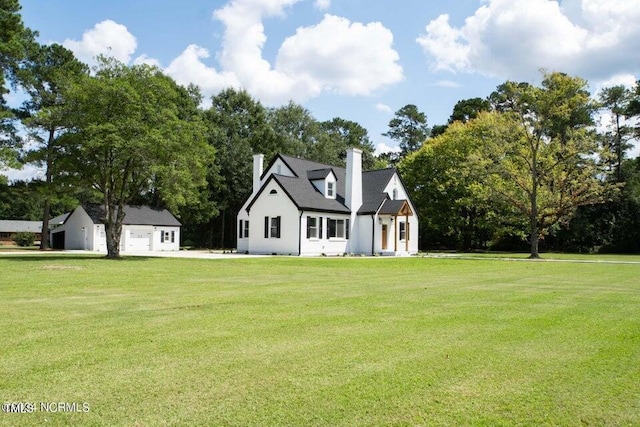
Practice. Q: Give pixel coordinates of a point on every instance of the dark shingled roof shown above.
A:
(373, 185)
(306, 196)
(60, 219)
(392, 207)
(135, 215)
(318, 174)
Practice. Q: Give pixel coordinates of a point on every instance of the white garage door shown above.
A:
(139, 240)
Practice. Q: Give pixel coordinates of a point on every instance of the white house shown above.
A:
(143, 229)
(300, 207)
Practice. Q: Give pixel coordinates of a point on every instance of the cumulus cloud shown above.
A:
(106, 38)
(382, 148)
(189, 68)
(349, 58)
(322, 4)
(383, 108)
(334, 55)
(144, 59)
(515, 38)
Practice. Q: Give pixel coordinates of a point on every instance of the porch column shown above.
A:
(395, 233)
(406, 232)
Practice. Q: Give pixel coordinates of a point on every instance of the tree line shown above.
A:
(526, 165)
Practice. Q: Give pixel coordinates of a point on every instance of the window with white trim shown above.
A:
(337, 228)
(167, 236)
(272, 227)
(331, 189)
(312, 227)
(403, 231)
(243, 229)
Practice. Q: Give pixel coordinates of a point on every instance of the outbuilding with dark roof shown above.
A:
(143, 229)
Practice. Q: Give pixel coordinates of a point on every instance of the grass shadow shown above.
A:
(48, 258)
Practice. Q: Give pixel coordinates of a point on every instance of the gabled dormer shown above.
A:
(324, 180)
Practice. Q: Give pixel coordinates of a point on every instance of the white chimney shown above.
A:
(258, 160)
(353, 184)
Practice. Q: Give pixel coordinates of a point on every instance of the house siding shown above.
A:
(274, 205)
(322, 245)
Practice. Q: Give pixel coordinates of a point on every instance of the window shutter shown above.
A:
(278, 227)
(240, 225)
(173, 237)
(346, 230)
(308, 227)
(320, 236)
(266, 227)
(161, 236)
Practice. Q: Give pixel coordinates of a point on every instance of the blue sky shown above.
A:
(361, 60)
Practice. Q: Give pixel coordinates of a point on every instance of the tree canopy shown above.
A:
(133, 131)
(409, 128)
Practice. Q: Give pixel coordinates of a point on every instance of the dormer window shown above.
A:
(331, 193)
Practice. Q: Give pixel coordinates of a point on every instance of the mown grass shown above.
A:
(287, 341)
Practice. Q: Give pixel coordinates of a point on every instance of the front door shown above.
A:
(384, 237)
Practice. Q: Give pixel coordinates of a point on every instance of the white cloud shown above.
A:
(144, 59)
(627, 80)
(107, 38)
(27, 173)
(334, 55)
(322, 4)
(382, 148)
(383, 107)
(515, 38)
(188, 68)
(349, 58)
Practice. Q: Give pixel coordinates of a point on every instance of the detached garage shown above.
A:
(143, 229)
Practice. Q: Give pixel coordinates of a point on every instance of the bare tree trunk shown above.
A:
(44, 240)
(222, 227)
(534, 226)
(113, 229)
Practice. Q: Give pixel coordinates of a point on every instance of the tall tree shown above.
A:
(454, 205)
(468, 109)
(338, 135)
(296, 130)
(131, 133)
(238, 128)
(409, 128)
(633, 109)
(616, 100)
(15, 40)
(47, 69)
(539, 154)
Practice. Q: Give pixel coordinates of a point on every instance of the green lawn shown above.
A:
(336, 342)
